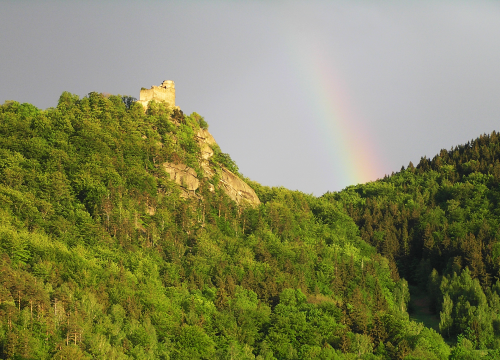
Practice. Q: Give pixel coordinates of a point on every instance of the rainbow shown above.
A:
(352, 151)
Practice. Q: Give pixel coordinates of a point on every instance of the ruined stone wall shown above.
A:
(164, 92)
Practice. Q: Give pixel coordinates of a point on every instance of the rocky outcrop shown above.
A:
(205, 141)
(183, 175)
(237, 189)
(187, 178)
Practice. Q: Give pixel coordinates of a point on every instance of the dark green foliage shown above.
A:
(128, 101)
(442, 214)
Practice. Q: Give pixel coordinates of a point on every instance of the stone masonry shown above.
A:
(164, 92)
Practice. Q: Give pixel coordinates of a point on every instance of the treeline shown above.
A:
(103, 256)
(438, 224)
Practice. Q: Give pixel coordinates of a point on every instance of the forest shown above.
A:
(104, 256)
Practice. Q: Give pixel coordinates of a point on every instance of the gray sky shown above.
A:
(312, 95)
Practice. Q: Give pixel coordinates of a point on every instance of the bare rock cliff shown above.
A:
(237, 189)
(186, 177)
(183, 175)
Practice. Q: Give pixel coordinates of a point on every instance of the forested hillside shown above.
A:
(439, 226)
(104, 256)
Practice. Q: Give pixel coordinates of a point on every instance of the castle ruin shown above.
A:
(164, 92)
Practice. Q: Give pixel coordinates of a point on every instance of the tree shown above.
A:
(446, 322)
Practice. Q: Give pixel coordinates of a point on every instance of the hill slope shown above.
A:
(439, 224)
(107, 253)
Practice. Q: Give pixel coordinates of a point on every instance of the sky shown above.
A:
(310, 95)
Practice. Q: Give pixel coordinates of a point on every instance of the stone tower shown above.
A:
(164, 92)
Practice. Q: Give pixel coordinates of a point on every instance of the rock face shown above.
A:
(186, 177)
(183, 175)
(237, 189)
(205, 141)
